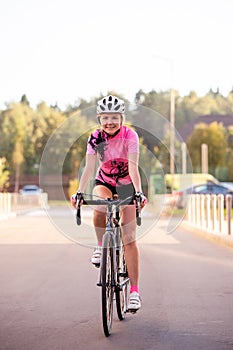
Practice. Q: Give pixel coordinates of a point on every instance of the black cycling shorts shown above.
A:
(123, 191)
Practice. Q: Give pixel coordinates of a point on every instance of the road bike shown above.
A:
(113, 278)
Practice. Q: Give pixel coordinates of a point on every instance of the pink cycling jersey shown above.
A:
(112, 152)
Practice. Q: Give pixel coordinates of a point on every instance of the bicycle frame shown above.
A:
(111, 224)
(113, 277)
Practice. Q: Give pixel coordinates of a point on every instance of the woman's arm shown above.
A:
(135, 177)
(88, 172)
(134, 172)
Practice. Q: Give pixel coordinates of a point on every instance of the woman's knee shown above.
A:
(129, 235)
(99, 218)
(131, 246)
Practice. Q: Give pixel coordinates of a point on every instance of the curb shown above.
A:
(224, 240)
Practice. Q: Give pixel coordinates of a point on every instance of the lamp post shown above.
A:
(172, 137)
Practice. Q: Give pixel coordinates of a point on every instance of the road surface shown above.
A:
(49, 299)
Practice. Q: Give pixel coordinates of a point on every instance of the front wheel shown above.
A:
(122, 288)
(107, 277)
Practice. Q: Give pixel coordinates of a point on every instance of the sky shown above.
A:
(59, 51)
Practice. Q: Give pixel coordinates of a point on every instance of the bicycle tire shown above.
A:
(107, 278)
(122, 288)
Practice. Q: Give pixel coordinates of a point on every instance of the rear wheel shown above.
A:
(122, 288)
(107, 274)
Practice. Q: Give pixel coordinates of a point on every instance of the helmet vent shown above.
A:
(110, 104)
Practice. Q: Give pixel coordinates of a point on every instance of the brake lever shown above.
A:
(138, 210)
(79, 201)
(78, 214)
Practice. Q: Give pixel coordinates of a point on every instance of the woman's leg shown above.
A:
(128, 223)
(99, 218)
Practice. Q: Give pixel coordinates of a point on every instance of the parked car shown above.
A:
(228, 185)
(207, 188)
(30, 190)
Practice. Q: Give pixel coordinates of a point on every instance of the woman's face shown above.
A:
(110, 122)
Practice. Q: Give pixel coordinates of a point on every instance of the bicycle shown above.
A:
(113, 278)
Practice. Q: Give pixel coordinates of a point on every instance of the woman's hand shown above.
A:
(78, 196)
(143, 199)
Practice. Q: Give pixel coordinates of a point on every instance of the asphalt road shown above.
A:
(49, 299)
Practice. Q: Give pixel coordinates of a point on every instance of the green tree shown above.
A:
(24, 100)
(4, 175)
(212, 135)
(229, 104)
(78, 128)
(147, 165)
(15, 133)
(157, 101)
(229, 154)
(45, 121)
(17, 161)
(25, 131)
(185, 109)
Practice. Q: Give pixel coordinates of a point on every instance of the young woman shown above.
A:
(117, 148)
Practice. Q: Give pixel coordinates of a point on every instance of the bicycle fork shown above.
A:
(114, 277)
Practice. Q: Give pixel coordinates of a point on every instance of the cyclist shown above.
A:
(116, 146)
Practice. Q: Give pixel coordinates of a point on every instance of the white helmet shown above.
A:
(110, 104)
